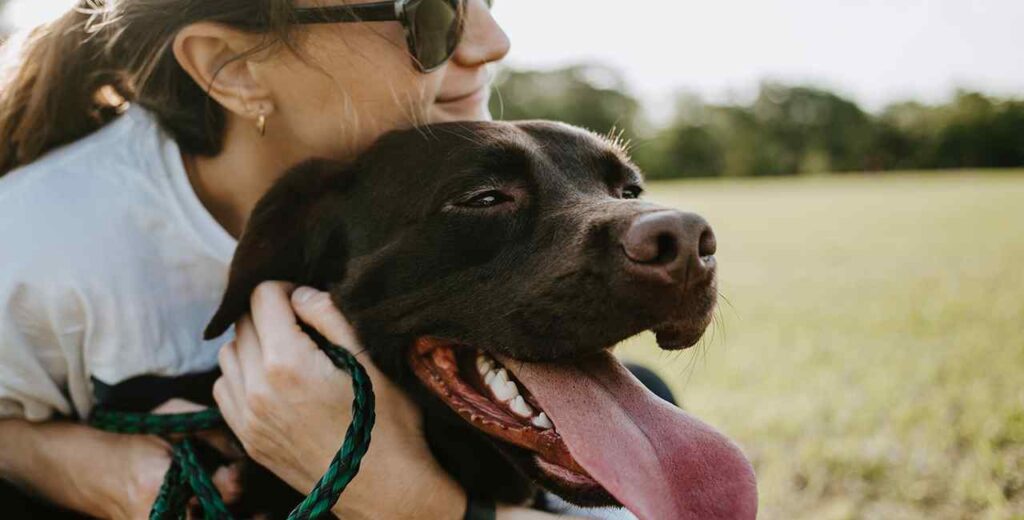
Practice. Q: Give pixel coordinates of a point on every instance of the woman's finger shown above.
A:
(250, 355)
(316, 309)
(228, 403)
(173, 406)
(228, 480)
(276, 324)
(246, 337)
(230, 368)
(250, 350)
(219, 439)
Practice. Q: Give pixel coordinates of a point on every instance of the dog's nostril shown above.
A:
(668, 249)
(708, 244)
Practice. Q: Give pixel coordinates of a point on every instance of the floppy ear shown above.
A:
(294, 234)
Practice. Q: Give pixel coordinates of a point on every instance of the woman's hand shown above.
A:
(147, 459)
(290, 407)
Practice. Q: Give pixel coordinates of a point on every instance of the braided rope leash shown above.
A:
(186, 477)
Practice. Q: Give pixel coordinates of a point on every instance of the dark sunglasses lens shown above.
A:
(436, 27)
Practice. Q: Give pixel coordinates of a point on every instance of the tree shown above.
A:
(817, 130)
(590, 96)
(785, 130)
(980, 131)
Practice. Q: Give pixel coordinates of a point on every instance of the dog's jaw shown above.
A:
(483, 394)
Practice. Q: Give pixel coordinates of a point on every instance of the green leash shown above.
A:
(186, 478)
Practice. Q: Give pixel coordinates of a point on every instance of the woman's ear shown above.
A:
(216, 56)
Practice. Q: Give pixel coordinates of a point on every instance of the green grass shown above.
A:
(869, 357)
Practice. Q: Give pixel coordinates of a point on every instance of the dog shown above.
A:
(488, 268)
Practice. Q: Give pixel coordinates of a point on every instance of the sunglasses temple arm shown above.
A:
(374, 12)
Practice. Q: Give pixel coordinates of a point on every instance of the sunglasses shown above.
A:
(433, 28)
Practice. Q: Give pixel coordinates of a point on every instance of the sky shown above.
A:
(875, 51)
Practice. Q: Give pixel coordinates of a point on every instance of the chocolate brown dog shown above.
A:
(488, 268)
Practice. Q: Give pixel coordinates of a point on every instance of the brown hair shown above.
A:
(73, 74)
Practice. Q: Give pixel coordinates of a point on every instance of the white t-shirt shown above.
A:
(110, 268)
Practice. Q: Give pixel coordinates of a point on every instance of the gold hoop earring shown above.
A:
(261, 125)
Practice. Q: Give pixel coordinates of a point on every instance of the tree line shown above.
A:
(784, 130)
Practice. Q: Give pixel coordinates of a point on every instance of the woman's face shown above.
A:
(354, 81)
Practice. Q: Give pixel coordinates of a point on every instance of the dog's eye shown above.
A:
(632, 192)
(487, 199)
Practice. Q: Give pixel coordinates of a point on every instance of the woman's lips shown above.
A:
(473, 96)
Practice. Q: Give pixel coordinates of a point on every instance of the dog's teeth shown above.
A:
(484, 364)
(504, 392)
(542, 422)
(489, 378)
(501, 377)
(519, 407)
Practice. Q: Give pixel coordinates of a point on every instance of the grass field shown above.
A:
(870, 354)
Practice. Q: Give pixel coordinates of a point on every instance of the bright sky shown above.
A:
(874, 50)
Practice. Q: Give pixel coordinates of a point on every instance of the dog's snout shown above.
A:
(669, 245)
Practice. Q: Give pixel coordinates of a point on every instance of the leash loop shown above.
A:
(186, 478)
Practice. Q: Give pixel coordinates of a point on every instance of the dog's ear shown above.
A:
(294, 234)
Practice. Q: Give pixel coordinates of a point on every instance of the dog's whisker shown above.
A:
(727, 301)
(719, 321)
(688, 369)
(709, 336)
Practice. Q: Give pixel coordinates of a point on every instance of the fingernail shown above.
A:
(303, 294)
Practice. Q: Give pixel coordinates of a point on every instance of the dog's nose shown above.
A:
(669, 246)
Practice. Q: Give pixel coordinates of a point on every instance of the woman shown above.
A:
(118, 228)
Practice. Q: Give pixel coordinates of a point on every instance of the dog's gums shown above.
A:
(481, 391)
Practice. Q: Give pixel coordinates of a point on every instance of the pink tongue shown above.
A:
(659, 461)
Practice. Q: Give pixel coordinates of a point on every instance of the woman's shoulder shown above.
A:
(70, 194)
(123, 182)
(112, 198)
(127, 145)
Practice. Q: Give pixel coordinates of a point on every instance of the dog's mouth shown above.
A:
(592, 430)
(486, 394)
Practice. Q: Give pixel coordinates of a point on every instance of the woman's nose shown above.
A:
(483, 41)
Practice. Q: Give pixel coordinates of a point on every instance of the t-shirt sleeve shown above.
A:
(35, 329)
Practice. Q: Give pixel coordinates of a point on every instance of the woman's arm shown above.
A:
(83, 469)
(100, 474)
(107, 475)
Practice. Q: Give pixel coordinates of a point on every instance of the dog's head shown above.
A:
(474, 256)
